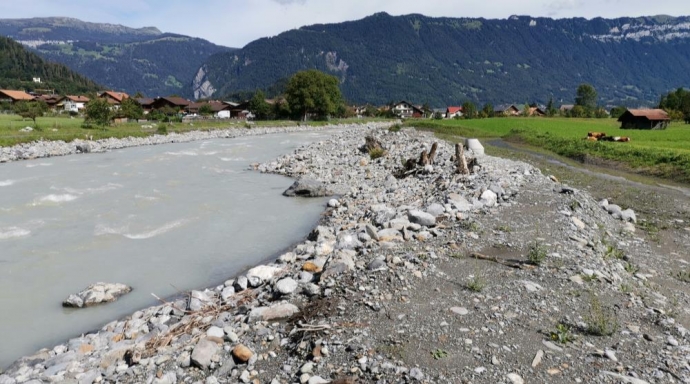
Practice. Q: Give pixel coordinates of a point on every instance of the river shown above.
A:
(162, 219)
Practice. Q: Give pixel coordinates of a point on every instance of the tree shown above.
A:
(30, 109)
(550, 108)
(206, 109)
(130, 109)
(586, 97)
(98, 112)
(488, 110)
(313, 92)
(469, 110)
(259, 107)
(617, 112)
(526, 110)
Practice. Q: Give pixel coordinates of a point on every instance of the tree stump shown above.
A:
(423, 159)
(461, 160)
(432, 153)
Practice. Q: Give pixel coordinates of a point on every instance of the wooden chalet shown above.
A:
(506, 110)
(112, 97)
(14, 96)
(537, 111)
(174, 102)
(218, 108)
(50, 100)
(406, 110)
(644, 119)
(146, 103)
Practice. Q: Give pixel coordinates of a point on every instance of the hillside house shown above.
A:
(506, 110)
(7, 95)
(405, 110)
(644, 119)
(453, 112)
(113, 98)
(72, 103)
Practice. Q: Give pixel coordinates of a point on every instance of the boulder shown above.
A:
(242, 353)
(274, 312)
(435, 209)
(263, 272)
(286, 286)
(96, 294)
(307, 187)
(475, 146)
(421, 218)
(203, 352)
(347, 240)
(629, 216)
(489, 198)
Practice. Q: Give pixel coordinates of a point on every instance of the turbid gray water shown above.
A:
(162, 219)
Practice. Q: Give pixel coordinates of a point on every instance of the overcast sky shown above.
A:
(235, 23)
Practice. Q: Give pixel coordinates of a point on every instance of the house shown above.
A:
(566, 108)
(219, 109)
(50, 100)
(506, 110)
(14, 96)
(174, 102)
(113, 98)
(405, 110)
(644, 119)
(72, 103)
(452, 112)
(537, 111)
(146, 103)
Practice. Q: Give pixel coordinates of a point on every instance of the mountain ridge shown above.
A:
(444, 61)
(119, 57)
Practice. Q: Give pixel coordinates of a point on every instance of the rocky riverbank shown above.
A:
(501, 276)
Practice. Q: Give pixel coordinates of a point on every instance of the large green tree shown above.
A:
(130, 109)
(586, 97)
(469, 110)
(98, 112)
(313, 92)
(259, 107)
(30, 109)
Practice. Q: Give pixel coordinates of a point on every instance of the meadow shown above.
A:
(68, 129)
(662, 153)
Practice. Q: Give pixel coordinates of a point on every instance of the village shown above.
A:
(75, 105)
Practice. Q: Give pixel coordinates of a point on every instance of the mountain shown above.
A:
(19, 67)
(121, 58)
(445, 61)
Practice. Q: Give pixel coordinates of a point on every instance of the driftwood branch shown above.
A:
(495, 259)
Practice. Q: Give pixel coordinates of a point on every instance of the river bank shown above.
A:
(386, 288)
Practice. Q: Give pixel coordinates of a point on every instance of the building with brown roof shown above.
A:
(72, 103)
(644, 119)
(114, 98)
(14, 96)
(174, 102)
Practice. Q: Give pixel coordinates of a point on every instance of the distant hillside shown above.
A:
(121, 58)
(445, 61)
(18, 68)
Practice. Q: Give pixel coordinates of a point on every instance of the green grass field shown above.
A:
(67, 129)
(664, 153)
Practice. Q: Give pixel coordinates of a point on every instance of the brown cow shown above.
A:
(623, 139)
(591, 138)
(597, 135)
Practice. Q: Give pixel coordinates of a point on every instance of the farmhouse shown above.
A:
(14, 96)
(506, 110)
(452, 112)
(644, 119)
(406, 110)
(113, 98)
(72, 103)
(174, 102)
(146, 103)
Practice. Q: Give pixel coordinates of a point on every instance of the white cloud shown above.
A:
(237, 22)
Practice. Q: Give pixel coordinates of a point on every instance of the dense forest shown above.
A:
(121, 58)
(445, 61)
(18, 67)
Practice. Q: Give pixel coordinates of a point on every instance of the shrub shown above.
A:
(600, 321)
(537, 253)
(162, 129)
(375, 153)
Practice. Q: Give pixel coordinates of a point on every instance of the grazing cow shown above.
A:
(597, 135)
(622, 139)
(608, 138)
(591, 138)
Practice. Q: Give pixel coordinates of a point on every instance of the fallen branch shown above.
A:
(495, 259)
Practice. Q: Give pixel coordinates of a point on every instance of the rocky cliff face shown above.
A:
(201, 86)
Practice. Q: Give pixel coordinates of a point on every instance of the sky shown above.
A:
(234, 23)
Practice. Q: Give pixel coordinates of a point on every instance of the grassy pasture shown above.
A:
(67, 129)
(664, 153)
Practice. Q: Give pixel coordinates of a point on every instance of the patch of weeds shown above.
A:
(477, 284)
(375, 153)
(439, 354)
(631, 268)
(162, 129)
(395, 128)
(651, 229)
(558, 263)
(601, 321)
(574, 205)
(504, 228)
(588, 278)
(395, 350)
(562, 334)
(625, 288)
(470, 225)
(537, 253)
(614, 252)
(575, 293)
(683, 276)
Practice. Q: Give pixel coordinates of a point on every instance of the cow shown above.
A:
(597, 135)
(591, 138)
